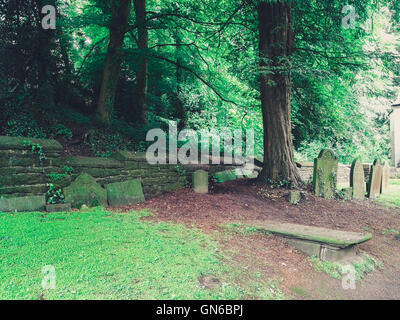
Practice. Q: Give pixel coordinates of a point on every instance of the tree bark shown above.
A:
(178, 105)
(275, 47)
(120, 11)
(141, 76)
(46, 91)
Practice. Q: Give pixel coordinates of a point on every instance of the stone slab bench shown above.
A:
(327, 244)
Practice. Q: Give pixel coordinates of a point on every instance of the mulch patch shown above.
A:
(241, 200)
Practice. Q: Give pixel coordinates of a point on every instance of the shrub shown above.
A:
(54, 195)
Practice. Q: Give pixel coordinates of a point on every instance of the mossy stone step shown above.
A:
(22, 143)
(21, 204)
(330, 237)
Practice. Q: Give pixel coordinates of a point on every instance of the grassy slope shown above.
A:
(392, 198)
(98, 255)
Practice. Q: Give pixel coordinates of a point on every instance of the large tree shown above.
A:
(141, 75)
(120, 11)
(275, 49)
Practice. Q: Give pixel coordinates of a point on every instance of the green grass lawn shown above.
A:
(392, 198)
(102, 255)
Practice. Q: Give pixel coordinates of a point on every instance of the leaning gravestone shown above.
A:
(124, 193)
(357, 180)
(225, 176)
(325, 174)
(85, 191)
(385, 178)
(375, 181)
(200, 181)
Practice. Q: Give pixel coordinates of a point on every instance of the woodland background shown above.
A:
(197, 63)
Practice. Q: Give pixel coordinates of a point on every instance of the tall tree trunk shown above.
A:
(141, 76)
(120, 10)
(275, 46)
(178, 105)
(46, 91)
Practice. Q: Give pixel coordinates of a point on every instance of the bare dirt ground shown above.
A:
(241, 200)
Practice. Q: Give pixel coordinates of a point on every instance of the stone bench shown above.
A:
(326, 244)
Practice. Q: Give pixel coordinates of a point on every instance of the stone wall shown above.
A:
(24, 167)
(27, 165)
(394, 172)
(306, 170)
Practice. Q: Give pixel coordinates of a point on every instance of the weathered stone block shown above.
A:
(21, 204)
(225, 176)
(294, 196)
(22, 179)
(325, 174)
(12, 143)
(200, 181)
(102, 172)
(122, 155)
(327, 244)
(114, 179)
(124, 193)
(385, 178)
(173, 186)
(131, 165)
(375, 182)
(251, 175)
(89, 162)
(357, 181)
(59, 207)
(35, 189)
(85, 190)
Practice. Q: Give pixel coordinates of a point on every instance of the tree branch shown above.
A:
(196, 75)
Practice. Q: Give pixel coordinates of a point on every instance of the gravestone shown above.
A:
(325, 174)
(200, 181)
(395, 135)
(385, 178)
(20, 204)
(357, 180)
(124, 193)
(294, 196)
(85, 190)
(375, 181)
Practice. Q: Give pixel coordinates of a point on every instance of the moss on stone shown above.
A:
(225, 176)
(89, 162)
(7, 143)
(20, 204)
(85, 190)
(124, 193)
